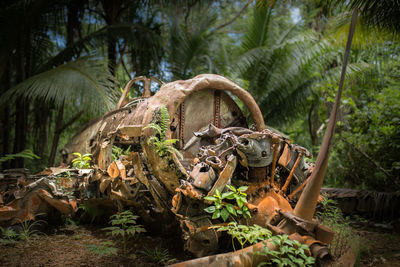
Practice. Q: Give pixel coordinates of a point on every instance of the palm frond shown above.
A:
(188, 45)
(379, 13)
(365, 35)
(257, 31)
(84, 82)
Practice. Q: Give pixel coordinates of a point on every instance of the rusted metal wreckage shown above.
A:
(218, 148)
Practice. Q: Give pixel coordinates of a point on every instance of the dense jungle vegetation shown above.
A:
(64, 62)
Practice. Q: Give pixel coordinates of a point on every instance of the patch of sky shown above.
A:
(58, 39)
(295, 14)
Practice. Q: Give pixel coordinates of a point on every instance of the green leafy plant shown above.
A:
(163, 145)
(157, 255)
(244, 234)
(28, 232)
(81, 161)
(104, 249)
(124, 225)
(118, 151)
(287, 253)
(224, 210)
(8, 236)
(27, 154)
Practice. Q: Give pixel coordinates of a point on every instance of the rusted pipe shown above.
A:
(243, 257)
(274, 160)
(299, 188)
(289, 178)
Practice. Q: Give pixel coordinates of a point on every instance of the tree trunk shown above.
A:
(57, 134)
(75, 8)
(112, 10)
(42, 114)
(112, 55)
(22, 105)
(5, 118)
(21, 125)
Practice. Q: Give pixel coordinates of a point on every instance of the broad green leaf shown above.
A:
(231, 209)
(242, 188)
(227, 195)
(216, 214)
(210, 209)
(210, 198)
(224, 214)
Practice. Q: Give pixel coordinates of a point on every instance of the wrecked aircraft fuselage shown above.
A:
(218, 149)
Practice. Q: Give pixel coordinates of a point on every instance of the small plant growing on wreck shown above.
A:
(118, 151)
(244, 234)
(287, 253)
(163, 145)
(224, 210)
(81, 161)
(104, 249)
(124, 225)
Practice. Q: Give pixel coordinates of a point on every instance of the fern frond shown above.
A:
(154, 127)
(164, 120)
(152, 139)
(171, 141)
(27, 153)
(172, 149)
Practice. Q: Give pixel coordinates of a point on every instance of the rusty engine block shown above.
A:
(218, 149)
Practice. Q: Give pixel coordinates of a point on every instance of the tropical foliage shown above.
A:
(64, 62)
(223, 209)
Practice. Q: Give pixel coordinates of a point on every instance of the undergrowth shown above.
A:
(124, 225)
(286, 252)
(158, 255)
(104, 249)
(331, 216)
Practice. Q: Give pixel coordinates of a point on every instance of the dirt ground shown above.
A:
(379, 247)
(67, 246)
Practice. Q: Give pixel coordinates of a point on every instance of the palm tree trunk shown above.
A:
(21, 125)
(75, 11)
(22, 105)
(112, 11)
(112, 55)
(5, 118)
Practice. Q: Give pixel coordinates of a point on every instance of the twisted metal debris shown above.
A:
(219, 149)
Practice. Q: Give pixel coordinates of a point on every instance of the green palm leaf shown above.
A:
(84, 81)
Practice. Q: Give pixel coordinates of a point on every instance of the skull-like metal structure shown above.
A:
(259, 152)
